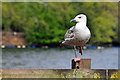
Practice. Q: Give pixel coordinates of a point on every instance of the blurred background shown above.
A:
(44, 24)
(47, 23)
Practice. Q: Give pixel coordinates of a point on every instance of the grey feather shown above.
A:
(70, 33)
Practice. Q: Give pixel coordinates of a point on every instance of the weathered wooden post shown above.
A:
(82, 64)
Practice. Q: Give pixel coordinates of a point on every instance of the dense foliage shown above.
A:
(45, 23)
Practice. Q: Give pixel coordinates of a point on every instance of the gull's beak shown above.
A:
(73, 20)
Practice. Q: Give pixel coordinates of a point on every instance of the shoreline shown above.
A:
(18, 39)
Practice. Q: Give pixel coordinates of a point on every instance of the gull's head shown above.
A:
(79, 18)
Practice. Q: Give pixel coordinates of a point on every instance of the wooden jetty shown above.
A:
(82, 64)
(60, 73)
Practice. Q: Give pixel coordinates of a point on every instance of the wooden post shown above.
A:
(82, 64)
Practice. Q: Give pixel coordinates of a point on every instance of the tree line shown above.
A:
(47, 22)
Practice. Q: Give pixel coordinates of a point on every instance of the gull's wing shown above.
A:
(70, 33)
(69, 36)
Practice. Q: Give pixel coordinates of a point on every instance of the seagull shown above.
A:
(77, 35)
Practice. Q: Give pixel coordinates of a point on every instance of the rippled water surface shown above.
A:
(57, 58)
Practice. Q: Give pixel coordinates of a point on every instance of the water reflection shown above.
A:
(57, 58)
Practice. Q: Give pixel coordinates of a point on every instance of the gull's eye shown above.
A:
(79, 17)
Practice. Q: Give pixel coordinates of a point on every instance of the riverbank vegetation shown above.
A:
(46, 23)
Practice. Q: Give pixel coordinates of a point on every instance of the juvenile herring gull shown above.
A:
(77, 35)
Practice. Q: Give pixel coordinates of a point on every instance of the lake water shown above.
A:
(57, 58)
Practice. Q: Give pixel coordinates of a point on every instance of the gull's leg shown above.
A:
(75, 52)
(76, 58)
(80, 50)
